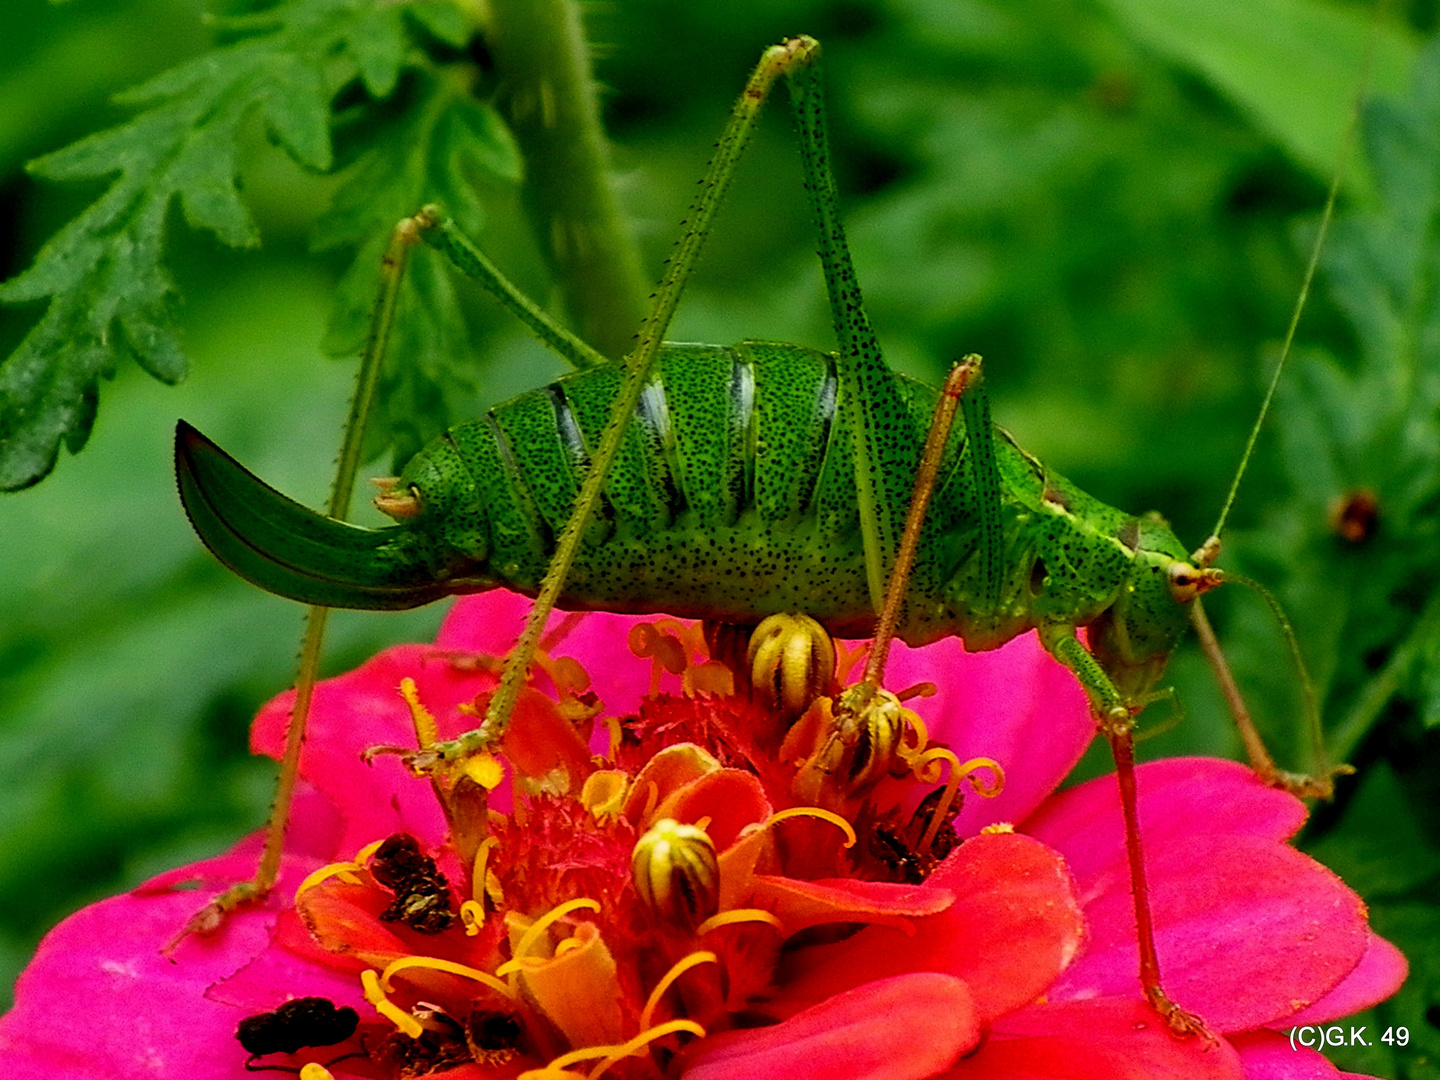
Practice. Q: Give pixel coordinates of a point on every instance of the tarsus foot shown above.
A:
(213, 915)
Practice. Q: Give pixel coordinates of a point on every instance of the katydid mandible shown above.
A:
(733, 483)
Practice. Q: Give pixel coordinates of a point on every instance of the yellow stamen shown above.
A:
(313, 1070)
(481, 866)
(472, 914)
(644, 1039)
(426, 730)
(920, 689)
(485, 769)
(676, 970)
(574, 1057)
(370, 985)
(434, 963)
(739, 915)
(549, 1073)
(815, 812)
(616, 732)
(345, 871)
(567, 945)
(1000, 828)
(364, 855)
(540, 925)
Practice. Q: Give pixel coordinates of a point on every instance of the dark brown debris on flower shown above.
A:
(306, 1021)
(422, 894)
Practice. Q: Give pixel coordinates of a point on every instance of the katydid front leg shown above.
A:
(1116, 720)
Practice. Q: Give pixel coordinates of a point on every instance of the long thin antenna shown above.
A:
(1211, 548)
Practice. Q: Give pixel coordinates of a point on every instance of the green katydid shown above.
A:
(732, 483)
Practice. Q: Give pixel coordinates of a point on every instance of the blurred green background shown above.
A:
(1111, 200)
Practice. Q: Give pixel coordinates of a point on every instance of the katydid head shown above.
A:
(1135, 636)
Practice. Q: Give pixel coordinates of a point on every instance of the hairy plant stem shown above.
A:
(550, 96)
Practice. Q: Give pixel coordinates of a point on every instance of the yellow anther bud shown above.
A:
(791, 660)
(677, 874)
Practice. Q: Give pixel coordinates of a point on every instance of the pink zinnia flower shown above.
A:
(1016, 957)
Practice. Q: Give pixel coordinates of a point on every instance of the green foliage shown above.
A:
(1111, 201)
(1366, 433)
(110, 295)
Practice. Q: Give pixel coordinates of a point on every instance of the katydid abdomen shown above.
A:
(733, 498)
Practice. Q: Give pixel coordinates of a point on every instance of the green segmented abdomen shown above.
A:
(732, 497)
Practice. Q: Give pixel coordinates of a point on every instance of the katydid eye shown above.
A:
(1187, 582)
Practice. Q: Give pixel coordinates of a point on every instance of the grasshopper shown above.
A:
(734, 483)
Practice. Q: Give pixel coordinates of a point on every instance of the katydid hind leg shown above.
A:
(213, 915)
(885, 438)
(776, 61)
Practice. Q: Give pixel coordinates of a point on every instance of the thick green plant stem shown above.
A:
(546, 83)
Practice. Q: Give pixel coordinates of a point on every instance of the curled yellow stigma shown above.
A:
(700, 956)
(739, 915)
(539, 926)
(370, 985)
(910, 749)
(313, 1070)
(472, 914)
(980, 787)
(434, 963)
(345, 871)
(609, 1055)
(480, 868)
(641, 1041)
(366, 853)
(815, 812)
(427, 732)
(604, 793)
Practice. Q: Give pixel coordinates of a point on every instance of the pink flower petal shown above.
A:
(1013, 926)
(1247, 930)
(1177, 796)
(906, 1028)
(490, 623)
(1268, 1056)
(1379, 974)
(361, 709)
(101, 1002)
(1015, 704)
(1102, 1039)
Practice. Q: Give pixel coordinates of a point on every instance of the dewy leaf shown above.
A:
(103, 276)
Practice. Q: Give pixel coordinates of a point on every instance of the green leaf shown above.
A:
(1291, 64)
(109, 295)
(443, 19)
(432, 151)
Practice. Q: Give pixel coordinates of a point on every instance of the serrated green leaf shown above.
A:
(378, 46)
(484, 142)
(416, 158)
(296, 108)
(205, 175)
(103, 274)
(443, 19)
